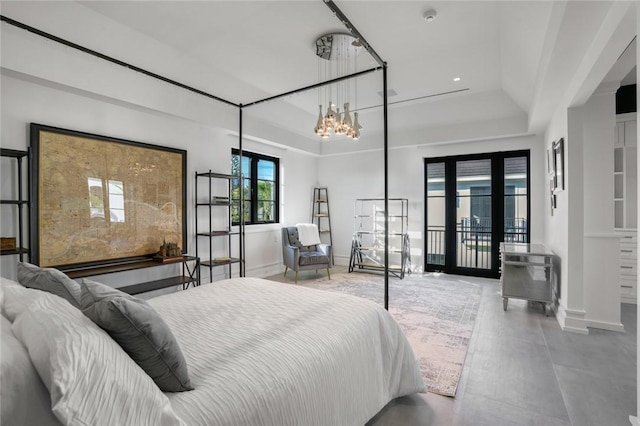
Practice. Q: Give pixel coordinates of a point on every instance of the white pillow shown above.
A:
(4, 283)
(92, 381)
(25, 400)
(17, 298)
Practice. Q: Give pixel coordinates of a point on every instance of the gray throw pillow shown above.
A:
(140, 331)
(50, 280)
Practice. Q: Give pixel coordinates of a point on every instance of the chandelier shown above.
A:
(337, 57)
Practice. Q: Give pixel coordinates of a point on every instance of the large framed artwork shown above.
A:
(98, 199)
(558, 164)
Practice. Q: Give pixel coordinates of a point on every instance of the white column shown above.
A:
(600, 245)
(571, 308)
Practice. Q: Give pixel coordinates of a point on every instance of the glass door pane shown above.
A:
(516, 220)
(473, 217)
(435, 239)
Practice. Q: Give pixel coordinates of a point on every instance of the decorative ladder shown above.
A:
(320, 215)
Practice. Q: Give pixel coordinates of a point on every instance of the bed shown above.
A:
(258, 353)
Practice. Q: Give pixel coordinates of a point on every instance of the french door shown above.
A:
(472, 203)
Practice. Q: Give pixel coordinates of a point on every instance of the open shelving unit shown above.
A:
(321, 216)
(367, 246)
(218, 226)
(19, 201)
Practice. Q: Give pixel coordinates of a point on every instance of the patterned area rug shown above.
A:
(436, 313)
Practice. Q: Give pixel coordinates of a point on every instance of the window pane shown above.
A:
(515, 175)
(266, 191)
(435, 214)
(266, 170)
(235, 166)
(435, 178)
(235, 212)
(473, 186)
(265, 211)
(515, 200)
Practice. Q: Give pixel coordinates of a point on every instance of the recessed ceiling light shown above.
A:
(429, 15)
(456, 79)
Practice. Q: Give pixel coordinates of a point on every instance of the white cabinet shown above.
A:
(625, 202)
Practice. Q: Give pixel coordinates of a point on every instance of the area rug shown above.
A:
(436, 312)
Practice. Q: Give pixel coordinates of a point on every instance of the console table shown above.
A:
(190, 273)
(526, 273)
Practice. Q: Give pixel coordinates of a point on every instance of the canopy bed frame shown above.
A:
(382, 65)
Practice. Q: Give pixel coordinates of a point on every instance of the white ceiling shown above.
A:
(514, 58)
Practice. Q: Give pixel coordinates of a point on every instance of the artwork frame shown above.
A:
(97, 200)
(558, 165)
(552, 195)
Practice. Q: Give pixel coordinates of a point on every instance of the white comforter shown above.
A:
(265, 353)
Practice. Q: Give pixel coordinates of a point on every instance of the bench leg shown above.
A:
(328, 273)
(286, 268)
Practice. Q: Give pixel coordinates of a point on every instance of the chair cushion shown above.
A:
(294, 240)
(313, 258)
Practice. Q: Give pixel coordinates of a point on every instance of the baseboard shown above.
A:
(571, 320)
(604, 325)
(634, 421)
(341, 260)
(266, 270)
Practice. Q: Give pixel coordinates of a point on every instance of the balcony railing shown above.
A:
(473, 241)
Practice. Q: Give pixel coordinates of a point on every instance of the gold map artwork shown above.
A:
(103, 200)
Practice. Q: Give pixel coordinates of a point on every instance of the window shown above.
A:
(260, 186)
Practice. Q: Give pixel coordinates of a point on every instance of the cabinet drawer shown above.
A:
(629, 239)
(629, 283)
(628, 287)
(628, 251)
(628, 267)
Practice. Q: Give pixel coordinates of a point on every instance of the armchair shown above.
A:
(301, 258)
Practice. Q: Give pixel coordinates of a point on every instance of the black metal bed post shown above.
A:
(20, 208)
(241, 200)
(386, 185)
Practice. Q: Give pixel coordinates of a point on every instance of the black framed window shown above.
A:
(261, 183)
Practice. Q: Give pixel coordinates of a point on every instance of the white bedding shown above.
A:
(265, 353)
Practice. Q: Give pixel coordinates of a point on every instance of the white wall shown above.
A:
(360, 175)
(208, 147)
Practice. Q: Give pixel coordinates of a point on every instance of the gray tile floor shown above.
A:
(522, 369)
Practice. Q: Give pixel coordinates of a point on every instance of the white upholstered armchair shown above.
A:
(298, 257)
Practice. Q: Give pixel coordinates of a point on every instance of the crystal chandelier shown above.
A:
(337, 56)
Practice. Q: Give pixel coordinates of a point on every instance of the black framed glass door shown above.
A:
(472, 203)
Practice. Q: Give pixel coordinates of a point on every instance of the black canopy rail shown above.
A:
(353, 30)
(111, 59)
(314, 86)
(348, 25)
